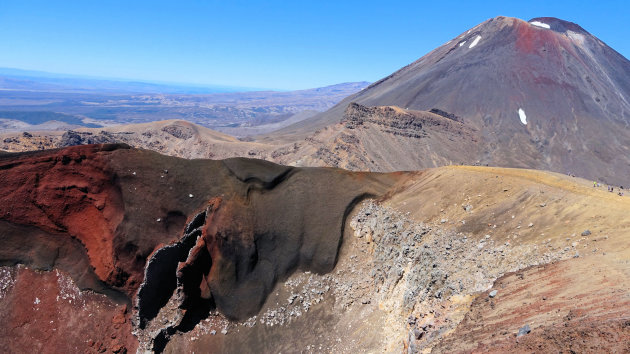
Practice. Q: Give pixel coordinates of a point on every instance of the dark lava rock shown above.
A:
(71, 138)
(446, 114)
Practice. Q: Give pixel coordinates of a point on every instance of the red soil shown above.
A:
(44, 312)
(579, 305)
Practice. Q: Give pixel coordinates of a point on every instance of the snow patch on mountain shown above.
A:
(540, 24)
(522, 116)
(474, 43)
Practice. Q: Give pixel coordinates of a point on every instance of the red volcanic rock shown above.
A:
(93, 194)
(119, 318)
(529, 39)
(66, 191)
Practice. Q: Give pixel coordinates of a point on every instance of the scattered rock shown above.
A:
(428, 325)
(493, 293)
(524, 330)
(179, 132)
(531, 224)
(586, 232)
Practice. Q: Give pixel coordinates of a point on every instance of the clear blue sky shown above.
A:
(269, 44)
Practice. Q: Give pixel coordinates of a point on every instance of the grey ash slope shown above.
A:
(572, 87)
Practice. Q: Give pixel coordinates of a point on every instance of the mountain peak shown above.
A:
(556, 24)
(542, 93)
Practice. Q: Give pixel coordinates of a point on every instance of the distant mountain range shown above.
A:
(54, 101)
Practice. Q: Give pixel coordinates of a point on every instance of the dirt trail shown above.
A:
(552, 179)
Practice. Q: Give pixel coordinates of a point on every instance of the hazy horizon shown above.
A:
(16, 72)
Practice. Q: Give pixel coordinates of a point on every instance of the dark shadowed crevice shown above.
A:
(198, 221)
(199, 309)
(175, 279)
(160, 280)
(160, 341)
